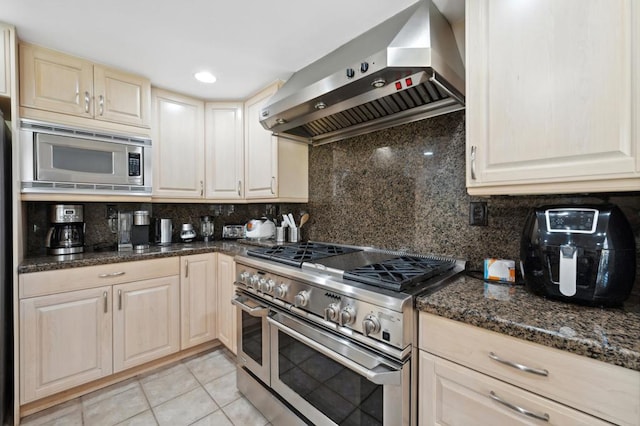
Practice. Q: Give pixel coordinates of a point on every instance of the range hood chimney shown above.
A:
(405, 69)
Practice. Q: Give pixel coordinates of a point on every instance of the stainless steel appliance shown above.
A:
(63, 159)
(207, 228)
(66, 234)
(140, 230)
(327, 331)
(405, 69)
(6, 281)
(579, 253)
(163, 229)
(233, 232)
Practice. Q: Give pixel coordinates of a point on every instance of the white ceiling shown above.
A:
(246, 44)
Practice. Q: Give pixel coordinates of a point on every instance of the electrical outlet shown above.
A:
(478, 213)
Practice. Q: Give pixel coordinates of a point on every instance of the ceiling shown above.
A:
(246, 44)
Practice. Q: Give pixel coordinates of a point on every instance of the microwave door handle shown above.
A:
(258, 311)
(380, 374)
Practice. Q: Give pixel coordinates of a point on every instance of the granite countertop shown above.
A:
(611, 335)
(48, 263)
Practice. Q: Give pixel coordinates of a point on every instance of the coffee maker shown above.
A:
(140, 230)
(579, 253)
(66, 234)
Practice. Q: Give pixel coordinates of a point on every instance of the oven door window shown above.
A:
(344, 396)
(252, 337)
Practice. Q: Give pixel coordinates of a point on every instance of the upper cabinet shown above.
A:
(58, 87)
(553, 100)
(275, 168)
(224, 151)
(178, 146)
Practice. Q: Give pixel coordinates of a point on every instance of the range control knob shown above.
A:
(281, 290)
(262, 283)
(302, 298)
(269, 286)
(331, 312)
(350, 73)
(370, 325)
(347, 316)
(244, 276)
(253, 281)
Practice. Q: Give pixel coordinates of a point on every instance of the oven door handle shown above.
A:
(256, 311)
(380, 374)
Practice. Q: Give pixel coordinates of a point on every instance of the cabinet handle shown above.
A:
(239, 187)
(101, 104)
(538, 371)
(473, 162)
(543, 416)
(186, 269)
(105, 297)
(87, 99)
(273, 181)
(111, 275)
(119, 300)
(201, 188)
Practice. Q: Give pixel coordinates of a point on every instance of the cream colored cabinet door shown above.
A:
(65, 341)
(6, 40)
(178, 145)
(224, 151)
(552, 96)
(452, 395)
(53, 81)
(121, 97)
(146, 321)
(261, 150)
(198, 299)
(226, 311)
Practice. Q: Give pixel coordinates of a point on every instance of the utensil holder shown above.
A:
(293, 235)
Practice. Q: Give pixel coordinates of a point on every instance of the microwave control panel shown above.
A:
(135, 163)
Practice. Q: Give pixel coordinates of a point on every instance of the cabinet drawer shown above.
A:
(595, 387)
(454, 395)
(50, 282)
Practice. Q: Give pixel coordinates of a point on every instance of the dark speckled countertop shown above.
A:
(47, 263)
(611, 335)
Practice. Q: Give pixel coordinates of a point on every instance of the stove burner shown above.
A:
(399, 273)
(295, 255)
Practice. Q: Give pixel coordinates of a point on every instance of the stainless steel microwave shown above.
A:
(61, 159)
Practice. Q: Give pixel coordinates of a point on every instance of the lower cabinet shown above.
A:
(226, 311)
(198, 299)
(469, 375)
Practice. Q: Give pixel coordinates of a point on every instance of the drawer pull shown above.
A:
(543, 416)
(538, 371)
(111, 275)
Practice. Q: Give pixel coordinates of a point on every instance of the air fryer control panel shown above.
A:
(573, 221)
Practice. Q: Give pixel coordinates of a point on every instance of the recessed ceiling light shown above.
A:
(205, 77)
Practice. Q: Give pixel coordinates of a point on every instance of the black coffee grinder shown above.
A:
(579, 253)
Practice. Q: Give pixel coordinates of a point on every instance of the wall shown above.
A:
(382, 190)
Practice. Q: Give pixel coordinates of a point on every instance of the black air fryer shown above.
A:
(583, 254)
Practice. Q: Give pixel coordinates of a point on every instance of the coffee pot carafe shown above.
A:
(66, 234)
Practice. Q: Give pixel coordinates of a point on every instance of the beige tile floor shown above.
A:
(197, 391)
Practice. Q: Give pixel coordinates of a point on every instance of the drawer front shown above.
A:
(50, 282)
(603, 390)
(454, 395)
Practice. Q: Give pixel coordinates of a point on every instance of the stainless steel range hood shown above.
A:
(405, 69)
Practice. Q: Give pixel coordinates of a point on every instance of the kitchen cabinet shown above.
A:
(178, 145)
(146, 321)
(198, 299)
(65, 341)
(56, 87)
(275, 168)
(7, 36)
(224, 151)
(464, 370)
(227, 322)
(552, 96)
(78, 325)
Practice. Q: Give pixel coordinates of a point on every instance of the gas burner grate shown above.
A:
(399, 273)
(296, 254)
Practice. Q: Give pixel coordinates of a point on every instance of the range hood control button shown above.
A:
(350, 73)
(364, 67)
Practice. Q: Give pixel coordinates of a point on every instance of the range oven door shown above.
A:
(332, 380)
(253, 335)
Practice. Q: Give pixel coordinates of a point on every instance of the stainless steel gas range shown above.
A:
(326, 331)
